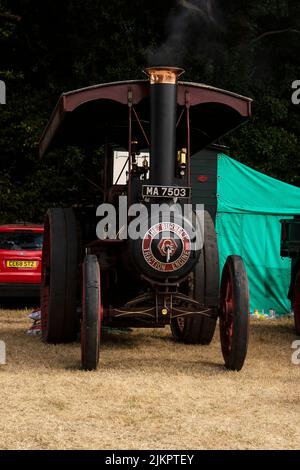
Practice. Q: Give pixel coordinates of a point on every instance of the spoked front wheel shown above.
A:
(234, 313)
(91, 313)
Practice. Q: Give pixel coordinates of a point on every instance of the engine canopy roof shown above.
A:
(98, 114)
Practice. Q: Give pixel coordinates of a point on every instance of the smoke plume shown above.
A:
(187, 26)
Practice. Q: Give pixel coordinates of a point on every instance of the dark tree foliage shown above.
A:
(51, 46)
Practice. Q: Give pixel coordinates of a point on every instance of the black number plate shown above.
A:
(166, 191)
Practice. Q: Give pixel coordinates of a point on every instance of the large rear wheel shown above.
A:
(234, 313)
(204, 288)
(60, 273)
(91, 313)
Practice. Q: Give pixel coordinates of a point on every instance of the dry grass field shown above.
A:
(149, 393)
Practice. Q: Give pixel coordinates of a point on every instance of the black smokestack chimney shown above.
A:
(163, 106)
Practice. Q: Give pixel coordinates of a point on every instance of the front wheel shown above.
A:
(234, 313)
(91, 313)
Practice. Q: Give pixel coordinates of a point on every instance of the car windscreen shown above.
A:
(21, 240)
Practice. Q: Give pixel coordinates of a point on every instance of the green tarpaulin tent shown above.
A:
(249, 206)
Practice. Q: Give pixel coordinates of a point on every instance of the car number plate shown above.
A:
(166, 191)
(21, 264)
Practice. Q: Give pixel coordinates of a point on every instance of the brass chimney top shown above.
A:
(163, 74)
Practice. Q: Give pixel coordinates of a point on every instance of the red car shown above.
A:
(20, 260)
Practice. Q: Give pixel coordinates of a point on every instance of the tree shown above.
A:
(52, 46)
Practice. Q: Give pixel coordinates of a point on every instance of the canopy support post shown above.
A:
(129, 144)
(188, 105)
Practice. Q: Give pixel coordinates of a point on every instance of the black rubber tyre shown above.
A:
(296, 302)
(204, 289)
(234, 313)
(60, 272)
(91, 313)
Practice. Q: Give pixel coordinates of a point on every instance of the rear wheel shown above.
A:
(91, 313)
(296, 302)
(205, 289)
(234, 313)
(60, 277)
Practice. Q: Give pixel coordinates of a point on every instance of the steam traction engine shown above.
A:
(169, 274)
